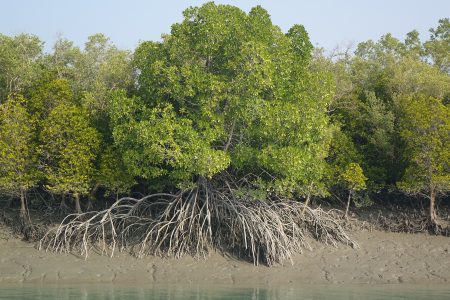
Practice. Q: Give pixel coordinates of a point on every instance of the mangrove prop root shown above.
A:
(412, 221)
(194, 222)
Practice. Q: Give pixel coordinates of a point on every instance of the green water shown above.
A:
(97, 292)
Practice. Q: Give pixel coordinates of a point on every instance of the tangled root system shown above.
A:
(412, 220)
(196, 221)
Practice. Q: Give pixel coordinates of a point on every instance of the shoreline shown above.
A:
(383, 258)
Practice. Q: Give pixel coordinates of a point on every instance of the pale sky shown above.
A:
(328, 22)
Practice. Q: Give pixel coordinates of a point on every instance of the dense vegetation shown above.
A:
(227, 119)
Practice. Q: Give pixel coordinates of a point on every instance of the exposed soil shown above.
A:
(383, 257)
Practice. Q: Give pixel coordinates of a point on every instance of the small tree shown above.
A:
(69, 146)
(426, 132)
(354, 179)
(18, 170)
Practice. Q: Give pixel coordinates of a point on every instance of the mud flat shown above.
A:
(382, 258)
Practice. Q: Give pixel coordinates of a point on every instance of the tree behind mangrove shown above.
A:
(18, 155)
(20, 66)
(69, 147)
(426, 132)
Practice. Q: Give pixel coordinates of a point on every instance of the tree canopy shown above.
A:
(229, 89)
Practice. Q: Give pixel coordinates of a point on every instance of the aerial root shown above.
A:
(411, 220)
(194, 222)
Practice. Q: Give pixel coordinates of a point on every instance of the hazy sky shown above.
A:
(127, 22)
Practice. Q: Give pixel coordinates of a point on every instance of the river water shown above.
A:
(313, 292)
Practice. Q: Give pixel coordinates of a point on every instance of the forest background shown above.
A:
(226, 100)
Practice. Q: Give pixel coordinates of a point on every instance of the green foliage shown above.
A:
(413, 76)
(47, 95)
(18, 159)
(438, 47)
(113, 174)
(371, 124)
(377, 122)
(100, 69)
(19, 63)
(69, 147)
(425, 130)
(92, 74)
(353, 177)
(154, 142)
(63, 60)
(342, 152)
(367, 107)
(240, 91)
(413, 46)
(354, 180)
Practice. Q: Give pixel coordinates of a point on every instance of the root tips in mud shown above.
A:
(195, 222)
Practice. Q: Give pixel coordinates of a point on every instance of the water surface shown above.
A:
(316, 292)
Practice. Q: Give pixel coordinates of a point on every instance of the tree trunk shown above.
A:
(89, 203)
(308, 198)
(77, 203)
(62, 204)
(24, 216)
(348, 203)
(92, 197)
(433, 215)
